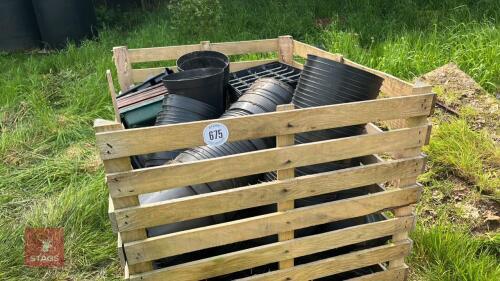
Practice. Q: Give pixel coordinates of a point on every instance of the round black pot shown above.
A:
(204, 59)
(335, 89)
(61, 21)
(328, 64)
(202, 84)
(207, 59)
(273, 89)
(19, 27)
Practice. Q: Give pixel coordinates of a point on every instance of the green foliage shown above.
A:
(469, 154)
(49, 169)
(193, 16)
(446, 253)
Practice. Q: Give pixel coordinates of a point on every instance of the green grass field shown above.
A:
(51, 175)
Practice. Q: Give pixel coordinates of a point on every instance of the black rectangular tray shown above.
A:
(241, 80)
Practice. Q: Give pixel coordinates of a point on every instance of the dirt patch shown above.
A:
(462, 96)
(456, 202)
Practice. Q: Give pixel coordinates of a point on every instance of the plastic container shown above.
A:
(202, 84)
(204, 59)
(61, 21)
(241, 81)
(19, 27)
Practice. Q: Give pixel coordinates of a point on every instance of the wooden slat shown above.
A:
(303, 49)
(228, 48)
(119, 165)
(112, 93)
(111, 215)
(285, 49)
(265, 193)
(282, 141)
(246, 47)
(180, 174)
(123, 67)
(239, 65)
(297, 64)
(337, 264)
(408, 181)
(396, 274)
(141, 74)
(419, 89)
(253, 257)
(121, 252)
(260, 226)
(392, 86)
(170, 137)
(161, 53)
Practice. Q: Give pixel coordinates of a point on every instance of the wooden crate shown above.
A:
(405, 106)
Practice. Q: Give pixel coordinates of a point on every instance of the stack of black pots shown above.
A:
(195, 93)
(264, 96)
(326, 82)
(178, 109)
(207, 59)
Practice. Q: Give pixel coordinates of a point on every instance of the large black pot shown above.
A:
(19, 27)
(203, 84)
(61, 21)
(206, 59)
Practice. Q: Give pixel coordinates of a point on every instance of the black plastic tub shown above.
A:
(203, 84)
(204, 59)
(19, 27)
(61, 21)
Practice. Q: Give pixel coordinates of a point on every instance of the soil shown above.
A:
(461, 94)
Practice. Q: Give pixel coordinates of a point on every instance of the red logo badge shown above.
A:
(44, 247)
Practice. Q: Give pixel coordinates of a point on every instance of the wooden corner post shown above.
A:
(123, 165)
(205, 46)
(123, 67)
(285, 140)
(411, 181)
(285, 49)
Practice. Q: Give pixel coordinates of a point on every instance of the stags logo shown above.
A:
(44, 247)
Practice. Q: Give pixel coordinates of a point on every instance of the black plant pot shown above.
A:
(19, 27)
(206, 59)
(61, 21)
(202, 84)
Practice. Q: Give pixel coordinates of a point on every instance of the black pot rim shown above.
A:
(335, 80)
(192, 74)
(200, 54)
(345, 66)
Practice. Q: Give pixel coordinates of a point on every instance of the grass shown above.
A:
(49, 169)
(468, 154)
(444, 253)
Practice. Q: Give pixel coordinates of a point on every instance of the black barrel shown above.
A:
(203, 84)
(19, 30)
(61, 21)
